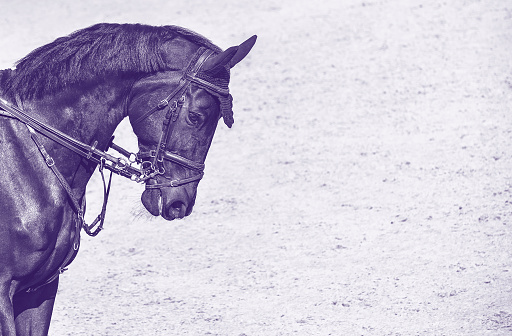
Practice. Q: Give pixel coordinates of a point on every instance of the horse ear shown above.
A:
(230, 56)
(215, 63)
(243, 50)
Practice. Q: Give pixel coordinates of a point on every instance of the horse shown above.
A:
(59, 108)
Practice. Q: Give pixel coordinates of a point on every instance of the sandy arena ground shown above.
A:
(365, 188)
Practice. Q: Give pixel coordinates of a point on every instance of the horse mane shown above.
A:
(100, 51)
(4, 75)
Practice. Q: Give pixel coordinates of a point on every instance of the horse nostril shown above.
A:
(177, 209)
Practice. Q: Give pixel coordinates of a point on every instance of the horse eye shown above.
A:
(194, 118)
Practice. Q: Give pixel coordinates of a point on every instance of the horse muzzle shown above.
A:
(169, 202)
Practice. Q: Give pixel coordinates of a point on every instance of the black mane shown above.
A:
(4, 75)
(100, 51)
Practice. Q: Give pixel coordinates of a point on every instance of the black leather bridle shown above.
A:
(152, 161)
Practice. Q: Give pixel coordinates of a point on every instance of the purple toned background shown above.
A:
(364, 189)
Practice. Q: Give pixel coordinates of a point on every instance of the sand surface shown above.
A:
(365, 188)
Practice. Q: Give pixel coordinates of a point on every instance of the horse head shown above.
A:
(174, 115)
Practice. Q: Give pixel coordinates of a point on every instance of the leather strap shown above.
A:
(117, 165)
(79, 221)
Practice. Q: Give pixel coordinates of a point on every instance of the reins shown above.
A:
(118, 165)
(97, 225)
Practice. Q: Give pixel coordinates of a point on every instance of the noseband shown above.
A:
(152, 161)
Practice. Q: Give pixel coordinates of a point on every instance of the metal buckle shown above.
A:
(132, 158)
(163, 103)
(147, 168)
(93, 148)
(121, 163)
(49, 161)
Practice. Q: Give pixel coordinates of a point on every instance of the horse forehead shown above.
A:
(201, 98)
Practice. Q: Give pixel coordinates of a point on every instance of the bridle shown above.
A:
(151, 162)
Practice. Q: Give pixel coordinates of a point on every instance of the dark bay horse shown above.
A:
(58, 111)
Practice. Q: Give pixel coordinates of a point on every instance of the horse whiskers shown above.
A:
(139, 212)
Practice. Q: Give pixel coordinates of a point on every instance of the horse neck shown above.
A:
(87, 115)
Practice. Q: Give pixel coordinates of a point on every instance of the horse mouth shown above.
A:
(152, 201)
